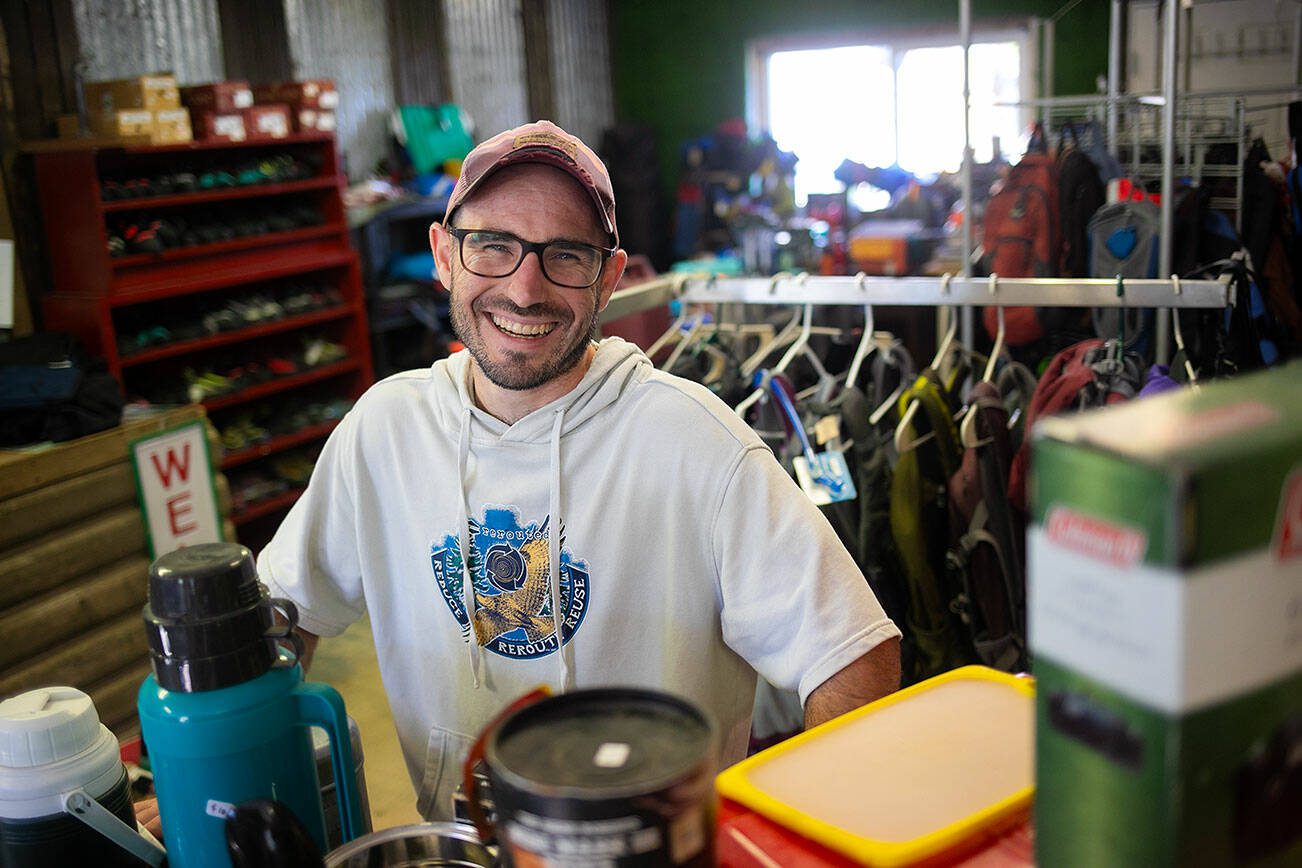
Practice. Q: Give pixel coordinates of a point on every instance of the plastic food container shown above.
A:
(909, 777)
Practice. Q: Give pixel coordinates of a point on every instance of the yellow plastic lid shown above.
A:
(904, 778)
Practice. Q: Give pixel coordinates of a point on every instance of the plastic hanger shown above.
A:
(866, 344)
(967, 429)
(910, 411)
(1179, 335)
(788, 333)
(675, 328)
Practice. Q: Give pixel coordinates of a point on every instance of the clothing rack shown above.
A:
(921, 292)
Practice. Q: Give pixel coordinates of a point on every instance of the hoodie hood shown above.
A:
(616, 365)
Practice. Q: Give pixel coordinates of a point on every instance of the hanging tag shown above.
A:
(827, 429)
(833, 481)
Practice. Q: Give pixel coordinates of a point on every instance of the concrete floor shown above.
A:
(348, 664)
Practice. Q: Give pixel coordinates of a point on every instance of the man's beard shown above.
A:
(521, 372)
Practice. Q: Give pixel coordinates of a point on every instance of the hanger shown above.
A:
(788, 333)
(866, 344)
(967, 430)
(675, 328)
(804, 318)
(1179, 335)
(906, 418)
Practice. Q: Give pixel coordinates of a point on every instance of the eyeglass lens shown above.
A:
(493, 254)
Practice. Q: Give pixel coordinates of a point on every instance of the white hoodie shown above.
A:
(687, 555)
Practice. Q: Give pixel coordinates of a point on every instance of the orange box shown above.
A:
(124, 124)
(880, 254)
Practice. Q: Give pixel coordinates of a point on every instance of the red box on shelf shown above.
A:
(267, 121)
(220, 96)
(218, 126)
(311, 93)
(314, 120)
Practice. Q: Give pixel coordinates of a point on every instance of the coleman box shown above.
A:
(1165, 586)
(221, 96)
(151, 92)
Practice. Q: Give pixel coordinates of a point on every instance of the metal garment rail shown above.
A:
(922, 292)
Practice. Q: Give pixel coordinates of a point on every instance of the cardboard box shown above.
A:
(218, 126)
(172, 126)
(124, 124)
(1165, 586)
(314, 120)
(221, 96)
(68, 126)
(267, 122)
(152, 92)
(314, 93)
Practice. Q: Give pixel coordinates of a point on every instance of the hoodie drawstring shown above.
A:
(563, 653)
(467, 581)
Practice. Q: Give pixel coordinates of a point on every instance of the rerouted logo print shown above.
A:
(509, 567)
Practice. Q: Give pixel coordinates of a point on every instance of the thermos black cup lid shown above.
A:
(208, 620)
(209, 580)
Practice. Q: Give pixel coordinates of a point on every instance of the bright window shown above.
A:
(884, 105)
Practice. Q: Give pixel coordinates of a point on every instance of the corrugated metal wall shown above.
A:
(580, 55)
(123, 38)
(351, 41)
(485, 42)
(348, 40)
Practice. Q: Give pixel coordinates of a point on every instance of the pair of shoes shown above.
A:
(204, 384)
(319, 351)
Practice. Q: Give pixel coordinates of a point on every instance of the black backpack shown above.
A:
(49, 392)
(1080, 194)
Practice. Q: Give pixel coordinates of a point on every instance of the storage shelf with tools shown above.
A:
(215, 273)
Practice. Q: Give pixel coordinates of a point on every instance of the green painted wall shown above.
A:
(679, 65)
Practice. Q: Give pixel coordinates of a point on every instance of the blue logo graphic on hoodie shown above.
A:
(509, 568)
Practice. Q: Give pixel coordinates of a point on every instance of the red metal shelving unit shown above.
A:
(95, 294)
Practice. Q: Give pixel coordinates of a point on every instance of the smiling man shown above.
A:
(541, 507)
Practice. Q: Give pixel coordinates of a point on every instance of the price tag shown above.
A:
(827, 429)
(829, 481)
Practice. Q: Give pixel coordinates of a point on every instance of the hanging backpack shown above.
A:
(1068, 380)
(920, 527)
(986, 557)
(1021, 235)
(1080, 194)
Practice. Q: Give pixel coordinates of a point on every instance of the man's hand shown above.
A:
(147, 816)
(871, 677)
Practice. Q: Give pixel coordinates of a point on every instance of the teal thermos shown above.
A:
(225, 717)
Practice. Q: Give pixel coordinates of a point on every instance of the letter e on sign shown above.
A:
(175, 483)
(1288, 526)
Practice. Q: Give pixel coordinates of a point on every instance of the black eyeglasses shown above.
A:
(489, 253)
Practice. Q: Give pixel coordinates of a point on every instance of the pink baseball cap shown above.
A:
(538, 142)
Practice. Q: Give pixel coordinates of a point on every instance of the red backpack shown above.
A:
(1022, 238)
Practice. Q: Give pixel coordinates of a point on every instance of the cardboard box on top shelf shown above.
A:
(311, 93)
(151, 92)
(223, 97)
(267, 121)
(1165, 586)
(308, 120)
(124, 124)
(215, 126)
(172, 126)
